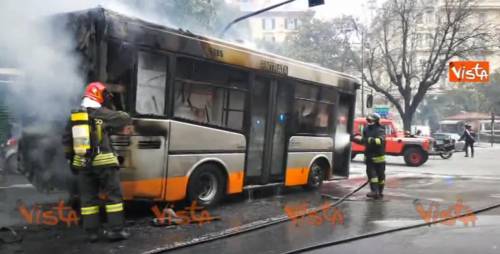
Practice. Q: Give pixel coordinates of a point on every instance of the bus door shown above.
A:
(267, 136)
(280, 118)
(341, 155)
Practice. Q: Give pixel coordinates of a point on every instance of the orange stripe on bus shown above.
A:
(142, 188)
(235, 184)
(296, 176)
(176, 188)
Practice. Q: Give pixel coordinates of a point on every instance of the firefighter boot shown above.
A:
(92, 235)
(374, 193)
(381, 190)
(117, 234)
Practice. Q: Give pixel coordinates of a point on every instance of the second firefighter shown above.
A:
(373, 138)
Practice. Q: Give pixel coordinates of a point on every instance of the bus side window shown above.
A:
(313, 112)
(210, 94)
(151, 80)
(119, 70)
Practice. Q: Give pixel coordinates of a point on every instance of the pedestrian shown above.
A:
(88, 146)
(373, 138)
(469, 140)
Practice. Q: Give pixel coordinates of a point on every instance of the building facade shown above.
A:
(274, 25)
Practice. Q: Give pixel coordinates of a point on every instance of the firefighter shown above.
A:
(373, 139)
(93, 160)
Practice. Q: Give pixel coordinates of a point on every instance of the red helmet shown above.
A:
(95, 91)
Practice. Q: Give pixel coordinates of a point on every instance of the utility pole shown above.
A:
(492, 129)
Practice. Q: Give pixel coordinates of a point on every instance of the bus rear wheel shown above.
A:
(206, 185)
(316, 176)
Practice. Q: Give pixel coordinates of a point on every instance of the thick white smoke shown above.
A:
(45, 53)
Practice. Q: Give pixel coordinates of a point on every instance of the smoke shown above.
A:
(53, 82)
(45, 53)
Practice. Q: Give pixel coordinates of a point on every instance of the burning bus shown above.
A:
(211, 118)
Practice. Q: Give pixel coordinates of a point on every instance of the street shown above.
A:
(414, 195)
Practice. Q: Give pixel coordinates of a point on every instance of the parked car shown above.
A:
(459, 145)
(414, 149)
(8, 156)
(442, 145)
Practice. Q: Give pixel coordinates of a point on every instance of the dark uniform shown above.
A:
(373, 139)
(469, 141)
(99, 173)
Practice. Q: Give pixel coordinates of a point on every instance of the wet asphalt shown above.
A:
(439, 185)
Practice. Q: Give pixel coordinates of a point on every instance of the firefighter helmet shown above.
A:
(373, 118)
(96, 91)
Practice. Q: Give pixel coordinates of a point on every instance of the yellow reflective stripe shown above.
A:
(80, 116)
(114, 208)
(90, 210)
(105, 159)
(105, 162)
(78, 161)
(378, 141)
(382, 182)
(374, 180)
(379, 159)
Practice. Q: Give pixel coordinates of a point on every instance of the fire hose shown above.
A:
(394, 230)
(254, 225)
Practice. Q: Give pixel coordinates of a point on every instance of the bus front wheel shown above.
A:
(316, 176)
(206, 185)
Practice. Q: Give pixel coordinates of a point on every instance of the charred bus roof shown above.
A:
(112, 25)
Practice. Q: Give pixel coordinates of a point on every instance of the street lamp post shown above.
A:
(362, 72)
(312, 3)
(362, 33)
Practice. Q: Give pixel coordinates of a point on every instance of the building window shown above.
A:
(429, 17)
(291, 23)
(419, 18)
(268, 24)
(269, 38)
(151, 81)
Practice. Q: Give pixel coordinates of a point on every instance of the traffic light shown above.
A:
(369, 101)
(313, 3)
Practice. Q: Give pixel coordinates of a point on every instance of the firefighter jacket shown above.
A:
(103, 122)
(374, 141)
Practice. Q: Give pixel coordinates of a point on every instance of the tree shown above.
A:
(405, 58)
(205, 17)
(491, 93)
(325, 43)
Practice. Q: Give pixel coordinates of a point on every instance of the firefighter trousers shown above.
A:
(376, 176)
(95, 181)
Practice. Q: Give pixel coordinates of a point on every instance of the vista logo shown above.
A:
(469, 71)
